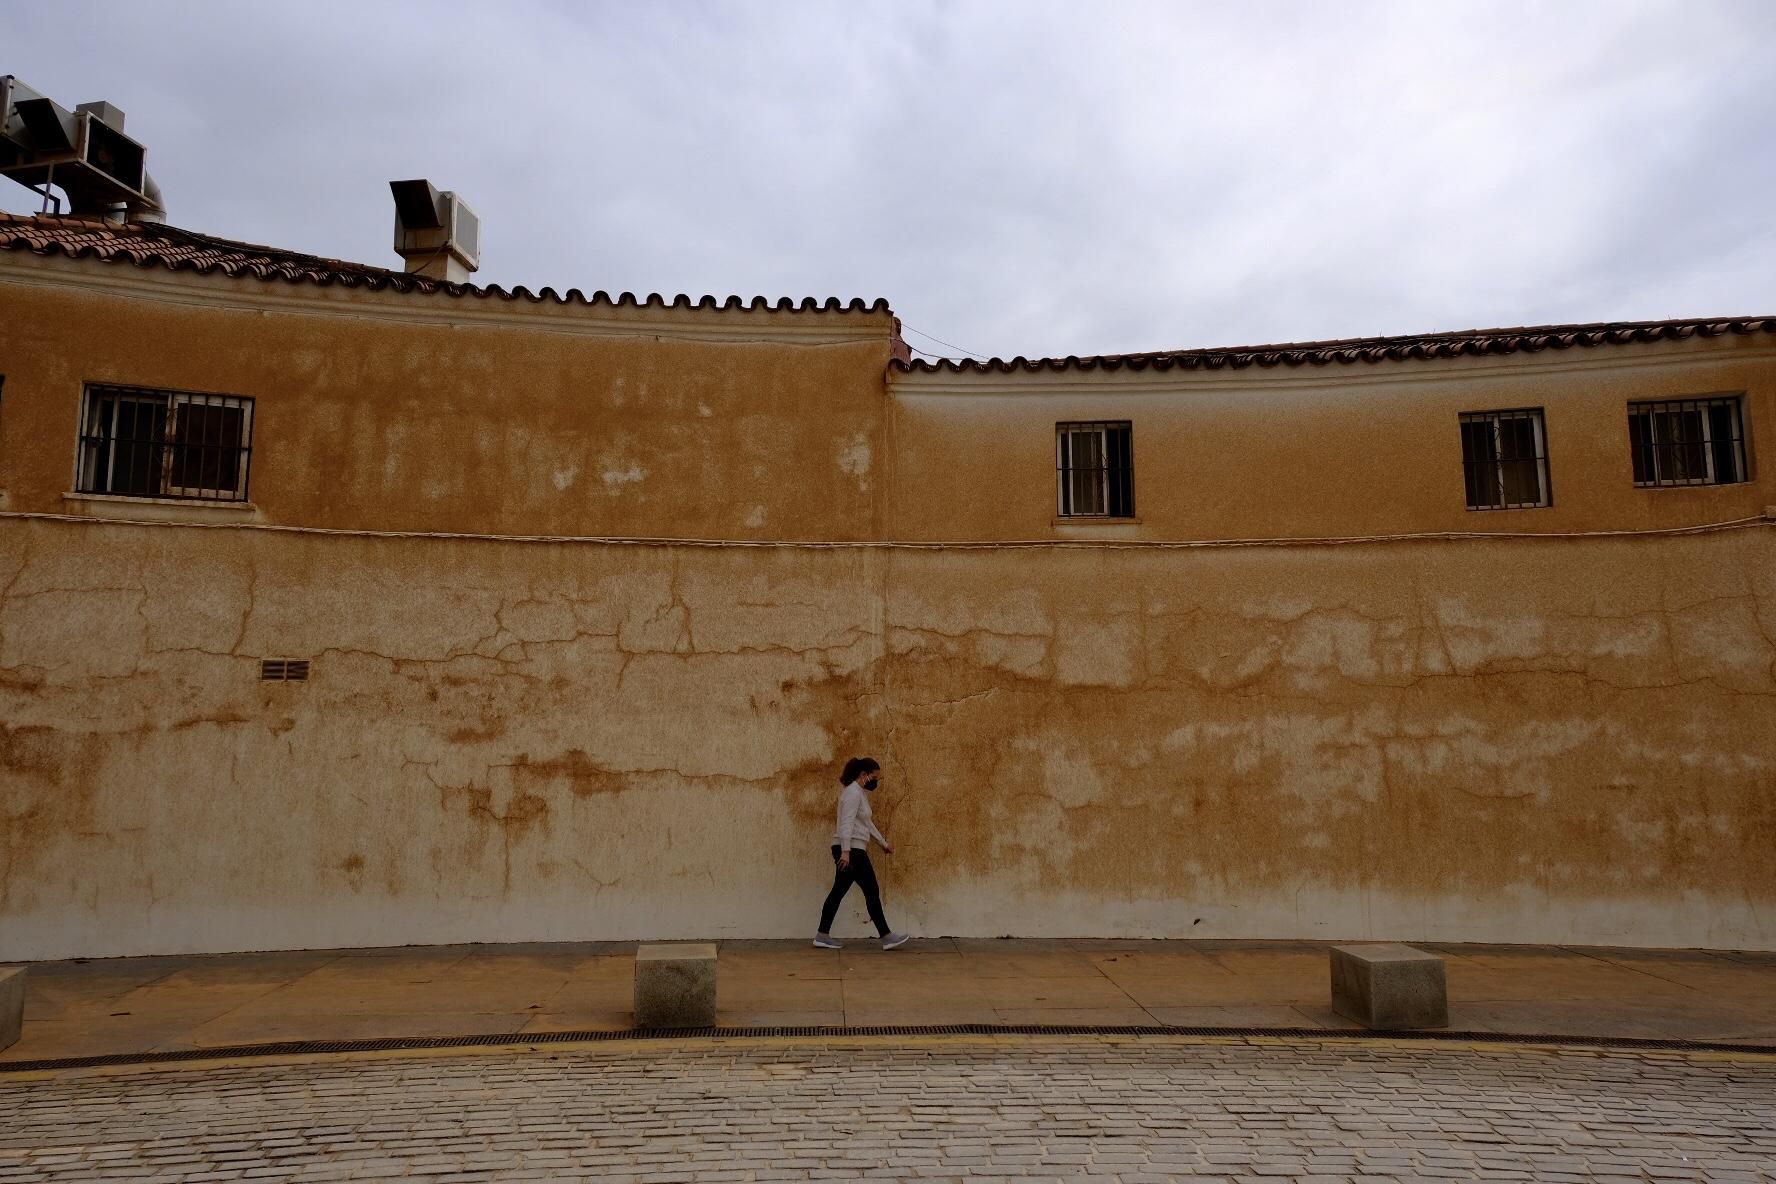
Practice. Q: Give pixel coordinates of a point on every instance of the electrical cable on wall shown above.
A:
(964, 351)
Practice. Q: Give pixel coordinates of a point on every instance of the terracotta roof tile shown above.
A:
(1417, 346)
(177, 249)
(147, 244)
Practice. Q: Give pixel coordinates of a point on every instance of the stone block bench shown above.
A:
(1389, 986)
(12, 1004)
(675, 985)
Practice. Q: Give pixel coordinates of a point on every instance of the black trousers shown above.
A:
(864, 876)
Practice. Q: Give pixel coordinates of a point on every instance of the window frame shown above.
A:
(98, 444)
(1738, 443)
(1495, 419)
(182, 401)
(1114, 479)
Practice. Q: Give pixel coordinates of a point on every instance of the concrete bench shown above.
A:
(1389, 986)
(12, 1004)
(675, 985)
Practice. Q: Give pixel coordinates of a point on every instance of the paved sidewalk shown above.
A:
(139, 1004)
(1145, 1109)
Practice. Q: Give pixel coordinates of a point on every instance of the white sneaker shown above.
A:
(824, 942)
(894, 941)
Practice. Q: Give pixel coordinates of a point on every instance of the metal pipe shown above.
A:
(153, 208)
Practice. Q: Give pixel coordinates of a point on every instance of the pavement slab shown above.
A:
(129, 1005)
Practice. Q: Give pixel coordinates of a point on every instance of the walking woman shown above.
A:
(850, 853)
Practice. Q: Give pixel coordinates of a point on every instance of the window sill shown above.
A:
(1508, 509)
(1689, 484)
(1085, 520)
(157, 509)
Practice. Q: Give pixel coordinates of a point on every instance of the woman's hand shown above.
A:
(844, 860)
(887, 847)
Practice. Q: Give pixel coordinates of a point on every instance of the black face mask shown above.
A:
(872, 783)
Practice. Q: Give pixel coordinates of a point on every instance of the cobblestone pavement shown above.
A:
(1051, 1108)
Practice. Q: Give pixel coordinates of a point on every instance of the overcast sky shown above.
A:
(1015, 178)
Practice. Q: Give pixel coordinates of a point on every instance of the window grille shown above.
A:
(1095, 470)
(136, 442)
(1505, 459)
(1688, 441)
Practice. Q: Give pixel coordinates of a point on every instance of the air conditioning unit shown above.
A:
(15, 142)
(436, 232)
(83, 151)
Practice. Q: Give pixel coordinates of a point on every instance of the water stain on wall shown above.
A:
(586, 741)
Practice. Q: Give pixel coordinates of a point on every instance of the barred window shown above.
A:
(149, 443)
(1095, 470)
(1688, 441)
(1505, 459)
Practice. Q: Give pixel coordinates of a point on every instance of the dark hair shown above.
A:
(856, 767)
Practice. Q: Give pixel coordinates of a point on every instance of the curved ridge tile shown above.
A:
(1422, 347)
(158, 245)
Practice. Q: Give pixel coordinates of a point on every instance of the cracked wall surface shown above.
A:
(1549, 741)
(1557, 740)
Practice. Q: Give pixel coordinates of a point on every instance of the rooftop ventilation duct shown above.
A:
(83, 152)
(437, 235)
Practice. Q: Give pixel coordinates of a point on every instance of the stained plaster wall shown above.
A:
(396, 412)
(1556, 741)
(1317, 451)
(1535, 740)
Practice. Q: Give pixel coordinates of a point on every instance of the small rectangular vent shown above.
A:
(283, 669)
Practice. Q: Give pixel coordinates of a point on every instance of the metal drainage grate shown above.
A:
(283, 669)
(520, 1039)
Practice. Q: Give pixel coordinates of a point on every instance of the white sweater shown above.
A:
(856, 824)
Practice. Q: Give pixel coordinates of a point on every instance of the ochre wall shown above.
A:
(1560, 739)
(1551, 741)
(1318, 451)
(431, 413)
(386, 411)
